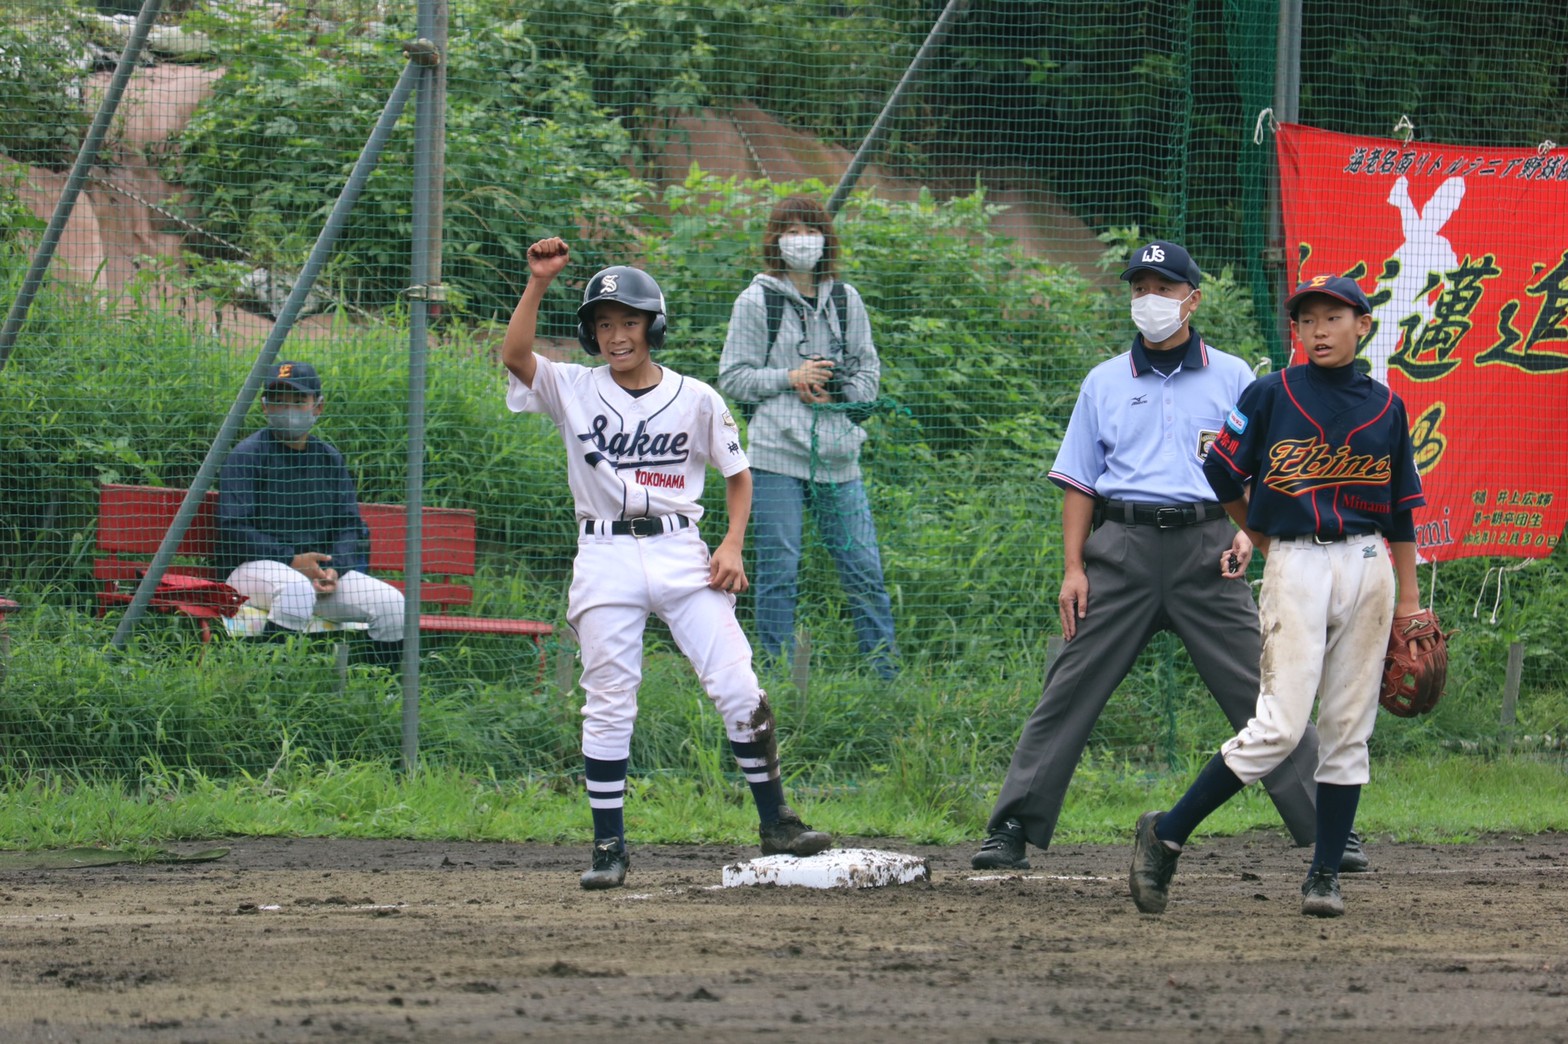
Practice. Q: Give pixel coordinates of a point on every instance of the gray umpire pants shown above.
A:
(1143, 580)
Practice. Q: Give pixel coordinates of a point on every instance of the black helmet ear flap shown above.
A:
(656, 330)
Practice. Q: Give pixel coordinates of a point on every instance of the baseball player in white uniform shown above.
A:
(639, 438)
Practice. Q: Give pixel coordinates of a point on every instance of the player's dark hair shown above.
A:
(807, 211)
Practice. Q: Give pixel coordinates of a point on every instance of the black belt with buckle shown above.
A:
(1162, 516)
(643, 526)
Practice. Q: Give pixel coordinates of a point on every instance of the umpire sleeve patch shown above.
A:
(1236, 421)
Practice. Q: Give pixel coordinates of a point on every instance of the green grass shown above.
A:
(173, 740)
(1447, 800)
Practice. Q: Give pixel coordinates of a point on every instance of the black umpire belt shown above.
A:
(1162, 516)
(646, 526)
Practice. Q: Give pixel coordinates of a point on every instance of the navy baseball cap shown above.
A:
(1341, 288)
(1168, 259)
(296, 376)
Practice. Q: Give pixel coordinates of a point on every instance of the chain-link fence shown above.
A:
(989, 162)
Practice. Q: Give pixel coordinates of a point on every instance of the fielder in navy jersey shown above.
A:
(1315, 463)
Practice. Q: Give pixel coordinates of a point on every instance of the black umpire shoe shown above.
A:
(1153, 866)
(1003, 850)
(1355, 860)
(1320, 894)
(610, 862)
(789, 836)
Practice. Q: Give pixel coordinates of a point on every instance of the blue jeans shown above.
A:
(843, 518)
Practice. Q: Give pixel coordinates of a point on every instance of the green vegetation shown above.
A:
(529, 152)
(919, 758)
(554, 111)
(42, 78)
(993, 413)
(1422, 800)
(1119, 111)
(955, 468)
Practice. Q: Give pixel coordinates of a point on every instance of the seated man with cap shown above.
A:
(289, 526)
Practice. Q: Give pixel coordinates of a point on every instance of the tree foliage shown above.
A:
(528, 152)
(43, 69)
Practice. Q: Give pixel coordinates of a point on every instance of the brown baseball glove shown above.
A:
(1416, 667)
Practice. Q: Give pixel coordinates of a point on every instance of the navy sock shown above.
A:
(607, 795)
(1215, 785)
(1336, 816)
(762, 776)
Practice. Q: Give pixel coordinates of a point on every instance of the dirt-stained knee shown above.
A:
(762, 729)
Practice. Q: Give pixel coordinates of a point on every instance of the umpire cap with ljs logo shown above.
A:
(628, 286)
(1166, 259)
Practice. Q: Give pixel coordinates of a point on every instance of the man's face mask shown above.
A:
(291, 420)
(1157, 317)
(801, 252)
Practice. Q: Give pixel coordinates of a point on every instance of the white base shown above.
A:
(835, 868)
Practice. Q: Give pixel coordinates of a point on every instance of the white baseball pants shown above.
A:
(1325, 611)
(616, 582)
(291, 600)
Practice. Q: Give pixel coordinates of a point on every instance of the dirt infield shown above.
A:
(401, 941)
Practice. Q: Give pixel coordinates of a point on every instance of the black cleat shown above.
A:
(1003, 850)
(789, 836)
(1320, 894)
(610, 862)
(1355, 860)
(1153, 866)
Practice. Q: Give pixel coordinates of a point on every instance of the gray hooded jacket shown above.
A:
(785, 435)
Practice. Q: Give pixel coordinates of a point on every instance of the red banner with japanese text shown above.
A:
(1463, 252)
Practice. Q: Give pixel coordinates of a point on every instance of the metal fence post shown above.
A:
(873, 140)
(427, 145)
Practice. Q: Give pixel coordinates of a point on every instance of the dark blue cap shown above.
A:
(1168, 259)
(1341, 288)
(296, 376)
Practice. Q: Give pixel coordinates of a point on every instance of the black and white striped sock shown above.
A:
(606, 781)
(761, 769)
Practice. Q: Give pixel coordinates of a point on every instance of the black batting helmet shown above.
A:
(629, 286)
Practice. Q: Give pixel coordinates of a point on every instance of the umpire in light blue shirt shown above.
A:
(1147, 549)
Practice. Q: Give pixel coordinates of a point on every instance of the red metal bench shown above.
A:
(132, 521)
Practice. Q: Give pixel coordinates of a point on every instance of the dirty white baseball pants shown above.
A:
(616, 582)
(1325, 611)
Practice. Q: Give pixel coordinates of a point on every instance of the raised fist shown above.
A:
(547, 257)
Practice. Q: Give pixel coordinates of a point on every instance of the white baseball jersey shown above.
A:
(628, 455)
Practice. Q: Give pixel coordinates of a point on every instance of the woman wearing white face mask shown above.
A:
(799, 354)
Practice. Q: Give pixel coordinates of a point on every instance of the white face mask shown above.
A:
(801, 252)
(292, 423)
(1157, 317)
